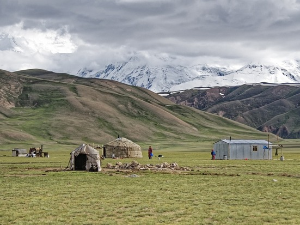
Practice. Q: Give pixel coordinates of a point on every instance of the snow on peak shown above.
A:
(159, 74)
(166, 75)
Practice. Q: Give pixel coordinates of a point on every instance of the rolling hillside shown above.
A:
(38, 105)
(271, 108)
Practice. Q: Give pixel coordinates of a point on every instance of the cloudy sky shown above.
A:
(66, 35)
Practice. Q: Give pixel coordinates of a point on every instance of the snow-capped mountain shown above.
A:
(249, 74)
(160, 76)
(153, 78)
(166, 76)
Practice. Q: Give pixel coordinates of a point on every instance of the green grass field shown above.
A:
(39, 191)
(62, 112)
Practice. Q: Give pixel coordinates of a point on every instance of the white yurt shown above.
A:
(86, 158)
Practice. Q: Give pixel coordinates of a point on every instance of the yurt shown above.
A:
(122, 148)
(86, 158)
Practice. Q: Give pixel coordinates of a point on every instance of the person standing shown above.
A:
(213, 154)
(150, 154)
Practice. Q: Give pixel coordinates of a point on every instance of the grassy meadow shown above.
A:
(40, 191)
(63, 112)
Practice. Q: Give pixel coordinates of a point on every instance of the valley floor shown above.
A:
(41, 191)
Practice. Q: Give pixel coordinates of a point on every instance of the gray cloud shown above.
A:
(225, 30)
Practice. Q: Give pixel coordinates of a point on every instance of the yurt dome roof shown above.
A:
(124, 142)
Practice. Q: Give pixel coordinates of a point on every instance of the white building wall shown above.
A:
(221, 149)
(241, 150)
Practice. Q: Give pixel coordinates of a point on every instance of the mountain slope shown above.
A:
(268, 108)
(69, 109)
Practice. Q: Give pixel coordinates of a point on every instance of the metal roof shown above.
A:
(246, 141)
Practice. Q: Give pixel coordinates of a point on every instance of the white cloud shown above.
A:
(37, 40)
(66, 35)
(35, 48)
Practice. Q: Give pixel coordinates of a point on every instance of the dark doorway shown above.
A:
(104, 152)
(80, 162)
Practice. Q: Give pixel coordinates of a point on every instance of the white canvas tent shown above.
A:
(86, 158)
(19, 152)
(243, 149)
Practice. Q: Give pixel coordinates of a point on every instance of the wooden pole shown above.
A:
(268, 146)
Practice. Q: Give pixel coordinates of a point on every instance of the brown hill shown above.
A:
(267, 108)
(40, 105)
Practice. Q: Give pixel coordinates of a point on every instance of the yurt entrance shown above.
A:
(104, 152)
(80, 162)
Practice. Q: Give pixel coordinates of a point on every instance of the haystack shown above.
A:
(122, 148)
(86, 158)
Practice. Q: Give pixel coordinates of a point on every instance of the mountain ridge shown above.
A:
(269, 108)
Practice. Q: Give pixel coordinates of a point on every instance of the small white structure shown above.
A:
(243, 149)
(86, 158)
(19, 152)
